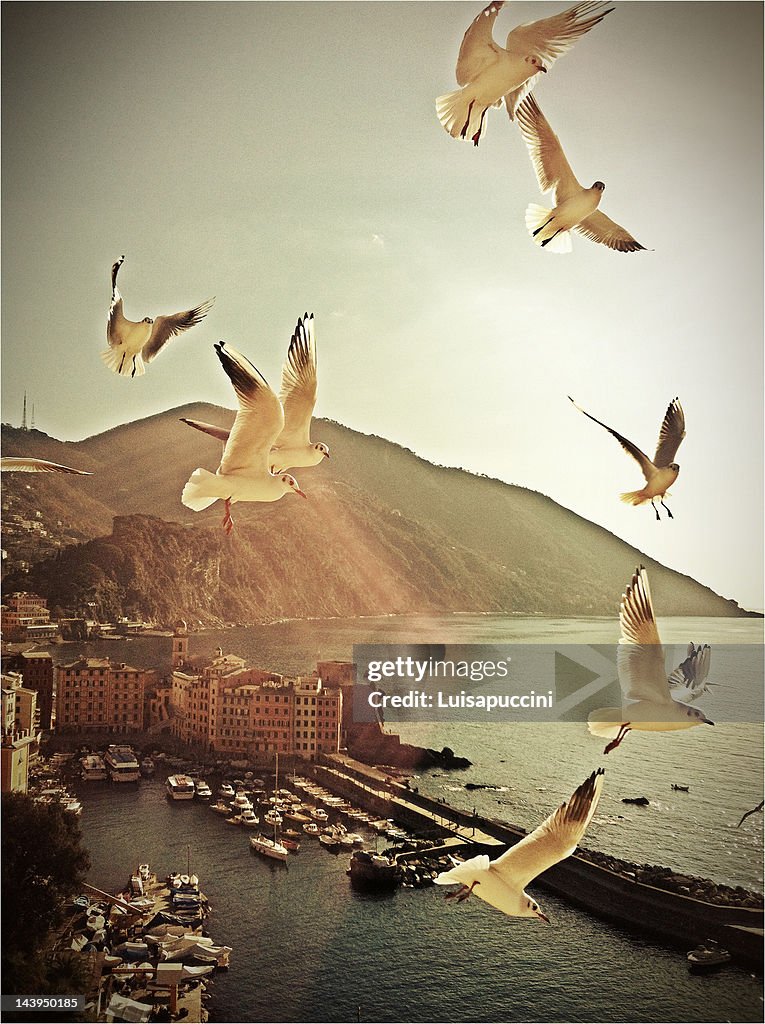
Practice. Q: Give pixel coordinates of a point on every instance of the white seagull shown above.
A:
(660, 473)
(647, 702)
(501, 882)
(293, 447)
(488, 73)
(133, 344)
(20, 465)
(244, 472)
(576, 208)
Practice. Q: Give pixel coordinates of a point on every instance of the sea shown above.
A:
(306, 947)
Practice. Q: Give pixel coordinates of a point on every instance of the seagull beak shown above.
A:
(301, 493)
(543, 917)
(326, 455)
(708, 721)
(543, 69)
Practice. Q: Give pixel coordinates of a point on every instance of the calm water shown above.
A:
(307, 948)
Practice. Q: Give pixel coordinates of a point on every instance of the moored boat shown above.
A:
(708, 956)
(122, 763)
(203, 791)
(93, 768)
(180, 787)
(269, 847)
(373, 871)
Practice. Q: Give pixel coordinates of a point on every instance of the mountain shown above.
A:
(383, 531)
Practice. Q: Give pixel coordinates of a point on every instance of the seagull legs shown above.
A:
(668, 511)
(463, 133)
(228, 522)
(658, 517)
(541, 228)
(133, 373)
(477, 135)
(624, 728)
(462, 893)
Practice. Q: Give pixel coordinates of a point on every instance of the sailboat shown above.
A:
(263, 844)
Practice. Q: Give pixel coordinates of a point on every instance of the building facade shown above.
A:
(21, 733)
(26, 614)
(94, 695)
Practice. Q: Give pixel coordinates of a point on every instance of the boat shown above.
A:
(296, 816)
(221, 807)
(373, 871)
(226, 789)
(241, 802)
(311, 829)
(269, 847)
(236, 819)
(249, 818)
(292, 844)
(93, 768)
(272, 817)
(147, 766)
(319, 814)
(330, 841)
(180, 787)
(708, 956)
(290, 833)
(121, 763)
(203, 791)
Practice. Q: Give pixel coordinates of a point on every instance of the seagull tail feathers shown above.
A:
(118, 361)
(459, 116)
(537, 219)
(605, 722)
(202, 490)
(464, 873)
(633, 498)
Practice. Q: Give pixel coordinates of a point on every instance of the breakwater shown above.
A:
(604, 886)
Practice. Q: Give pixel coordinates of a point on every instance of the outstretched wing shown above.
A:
(671, 434)
(17, 465)
(298, 392)
(600, 228)
(208, 428)
(555, 839)
(259, 419)
(688, 681)
(116, 319)
(478, 49)
(640, 457)
(166, 327)
(550, 38)
(551, 167)
(640, 655)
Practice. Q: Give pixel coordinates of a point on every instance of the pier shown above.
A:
(600, 885)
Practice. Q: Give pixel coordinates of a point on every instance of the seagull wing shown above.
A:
(640, 655)
(15, 465)
(478, 49)
(632, 449)
(298, 392)
(555, 839)
(671, 434)
(687, 682)
(166, 327)
(550, 38)
(116, 320)
(552, 169)
(601, 228)
(259, 420)
(208, 428)
(465, 872)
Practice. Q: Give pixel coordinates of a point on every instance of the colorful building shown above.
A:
(21, 733)
(93, 695)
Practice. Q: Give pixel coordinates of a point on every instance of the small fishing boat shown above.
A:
(292, 844)
(221, 807)
(203, 791)
(226, 789)
(249, 818)
(272, 817)
(311, 829)
(707, 956)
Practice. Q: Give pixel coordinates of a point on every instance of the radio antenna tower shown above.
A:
(24, 415)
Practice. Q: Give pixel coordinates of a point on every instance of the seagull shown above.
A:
(293, 447)
(244, 472)
(132, 344)
(18, 465)
(488, 73)
(689, 680)
(576, 208)
(501, 882)
(754, 810)
(662, 472)
(647, 702)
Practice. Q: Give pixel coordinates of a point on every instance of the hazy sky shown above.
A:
(287, 157)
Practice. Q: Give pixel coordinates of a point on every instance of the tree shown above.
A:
(43, 863)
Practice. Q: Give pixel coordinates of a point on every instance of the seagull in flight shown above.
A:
(660, 473)
(488, 73)
(501, 882)
(20, 465)
(647, 701)
(576, 207)
(244, 473)
(293, 447)
(133, 344)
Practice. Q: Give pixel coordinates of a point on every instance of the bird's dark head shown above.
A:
(674, 466)
(532, 909)
(323, 448)
(599, 186)
(148, 320)
(697, 716)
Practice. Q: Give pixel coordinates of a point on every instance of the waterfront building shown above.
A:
(229, 709)
(21, 733)
(36, 668)
(93, 695)
(24, 612)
